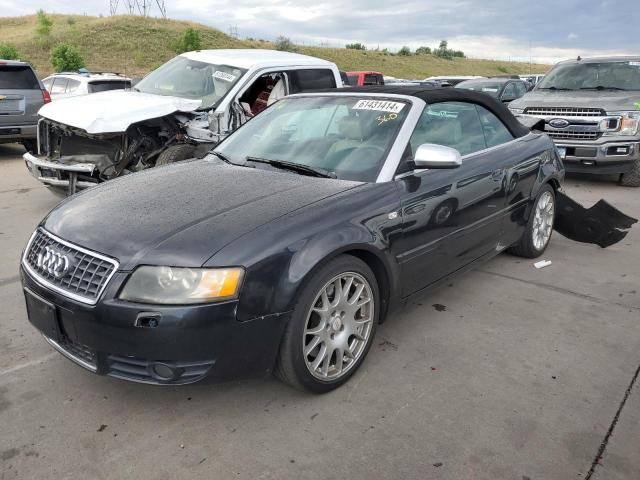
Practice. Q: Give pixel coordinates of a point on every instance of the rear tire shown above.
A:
(333, 327)
(539, 228)
(632, 177)
(176, 153)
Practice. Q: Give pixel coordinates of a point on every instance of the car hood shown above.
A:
(182, 214)
(113, 111)
(610, 101)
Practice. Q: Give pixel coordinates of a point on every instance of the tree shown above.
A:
(43, 24)
(284, 44)
(188, 41)
(444, 51)
(65, 57)
(355, 46)
(404, 51)
(423, 51)
(8, 52)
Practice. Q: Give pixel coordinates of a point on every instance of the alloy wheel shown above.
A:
(543, 220)
(338, 326)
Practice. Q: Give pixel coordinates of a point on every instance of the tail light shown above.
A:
(45, 95)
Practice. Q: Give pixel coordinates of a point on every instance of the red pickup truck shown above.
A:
(360, 79)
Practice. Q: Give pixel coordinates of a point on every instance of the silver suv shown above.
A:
(591, 110)
(21, 96)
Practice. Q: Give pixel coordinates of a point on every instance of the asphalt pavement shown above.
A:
(509, 372)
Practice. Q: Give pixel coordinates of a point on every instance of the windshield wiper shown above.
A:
(555, 88)
(224, 158)
(296, 167)
(601, 87)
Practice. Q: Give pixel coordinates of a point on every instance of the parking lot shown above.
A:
(508, 373)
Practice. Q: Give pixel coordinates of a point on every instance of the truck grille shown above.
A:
(572, 135)
(565, 111)
(73, 271)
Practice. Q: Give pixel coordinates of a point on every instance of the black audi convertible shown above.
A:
(284, 248)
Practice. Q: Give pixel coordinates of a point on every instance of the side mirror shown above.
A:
(430, 155)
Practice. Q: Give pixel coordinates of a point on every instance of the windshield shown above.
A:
(605, 75)
(185, 78)
(346, 135)
(490, 88)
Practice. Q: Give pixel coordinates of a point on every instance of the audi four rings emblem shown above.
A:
(53, 262)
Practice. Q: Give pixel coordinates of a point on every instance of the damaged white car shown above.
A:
(179, 111)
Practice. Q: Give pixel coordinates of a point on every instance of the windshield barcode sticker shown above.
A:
(379, 106)
(227, 77)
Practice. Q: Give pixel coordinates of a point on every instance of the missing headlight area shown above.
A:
(602, 224)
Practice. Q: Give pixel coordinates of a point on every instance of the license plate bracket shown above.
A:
(43, 315)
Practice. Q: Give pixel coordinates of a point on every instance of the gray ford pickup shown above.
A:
(591, 109)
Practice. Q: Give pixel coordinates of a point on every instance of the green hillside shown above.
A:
(136, 45)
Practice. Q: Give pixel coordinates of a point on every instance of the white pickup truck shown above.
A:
(179, 111)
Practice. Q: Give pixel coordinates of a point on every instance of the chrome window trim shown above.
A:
(45, 283)
(526, 138)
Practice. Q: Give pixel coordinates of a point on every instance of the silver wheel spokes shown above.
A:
(338, 326)
(543, 220)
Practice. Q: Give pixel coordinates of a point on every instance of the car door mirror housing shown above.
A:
(430, 155)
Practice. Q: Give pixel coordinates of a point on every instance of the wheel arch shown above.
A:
(375, 261)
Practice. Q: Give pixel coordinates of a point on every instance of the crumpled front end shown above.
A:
(70, 158)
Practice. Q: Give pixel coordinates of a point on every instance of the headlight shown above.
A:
(516, 111)
(629, 123)
(179, 286)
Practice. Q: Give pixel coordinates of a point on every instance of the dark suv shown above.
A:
(21, 96)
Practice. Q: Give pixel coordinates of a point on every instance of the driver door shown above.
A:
(451, 216)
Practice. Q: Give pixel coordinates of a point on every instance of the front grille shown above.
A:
(71, 270)
(565, 111)
(573, 135)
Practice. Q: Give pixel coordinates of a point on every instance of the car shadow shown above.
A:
(593, 177)
(11, 151)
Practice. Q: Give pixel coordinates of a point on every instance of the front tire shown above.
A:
(536, 237)
(176, 153)
(632, 177)
(332, 326)
(30, 146)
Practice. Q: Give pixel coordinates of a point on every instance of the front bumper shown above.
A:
(15, 133)
(59, 174)
(608, 156)
(195, 343)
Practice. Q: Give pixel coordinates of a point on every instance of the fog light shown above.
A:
(164, 372)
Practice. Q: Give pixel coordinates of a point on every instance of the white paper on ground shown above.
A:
(542, 263)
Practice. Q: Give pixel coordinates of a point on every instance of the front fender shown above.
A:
(280, 255)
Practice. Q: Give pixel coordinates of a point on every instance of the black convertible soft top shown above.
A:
(436, 95)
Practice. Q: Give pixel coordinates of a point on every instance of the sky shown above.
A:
(545, 30)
